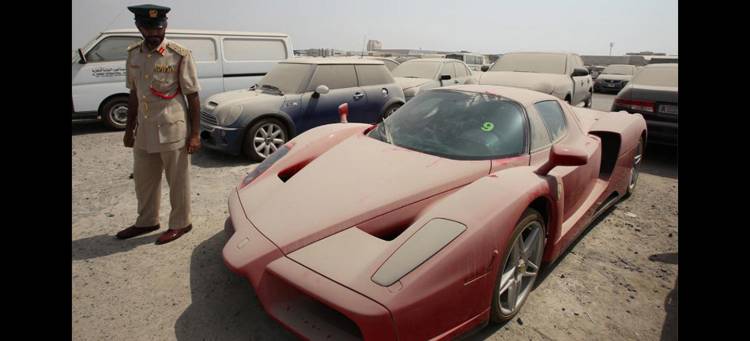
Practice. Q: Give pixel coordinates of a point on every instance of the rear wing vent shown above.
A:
(289, 172)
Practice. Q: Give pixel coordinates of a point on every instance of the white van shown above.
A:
(475, 61)
(226, 61)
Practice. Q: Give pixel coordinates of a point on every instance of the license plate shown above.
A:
(668, 108)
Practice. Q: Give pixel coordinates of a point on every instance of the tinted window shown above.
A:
(334, 77)
(111, 49)
(202, 49)
(448, 69)
(373, 75)
(254, 49)
(288, 77)
(553, 118)
(458, 125)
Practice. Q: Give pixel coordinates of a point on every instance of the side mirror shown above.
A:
(485, 68)
(562, 155)
(579, 71)
(344, 112)
(320, 90)
(82, 57)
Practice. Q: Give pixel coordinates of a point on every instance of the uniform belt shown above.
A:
(163, 95)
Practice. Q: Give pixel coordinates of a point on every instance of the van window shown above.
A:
(373, 75)
(334, 77)
(111, 49)
(203, 49)
(254, 49)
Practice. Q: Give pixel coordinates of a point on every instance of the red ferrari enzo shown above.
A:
(432, 222)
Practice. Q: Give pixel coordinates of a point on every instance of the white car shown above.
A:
(426, 73)
(225, 60)
(562, 75)
(615, 77)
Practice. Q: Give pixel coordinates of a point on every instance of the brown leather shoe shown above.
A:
(133, 231)
(171, 235)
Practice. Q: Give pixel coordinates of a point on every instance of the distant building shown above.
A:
(374, 45)
(322, 52)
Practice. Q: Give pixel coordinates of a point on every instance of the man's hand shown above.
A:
(128, 139)
(194, 143)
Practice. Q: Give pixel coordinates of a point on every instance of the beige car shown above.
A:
(562, 75)
(427, 73)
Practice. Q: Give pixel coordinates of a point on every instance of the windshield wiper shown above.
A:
(266, 86)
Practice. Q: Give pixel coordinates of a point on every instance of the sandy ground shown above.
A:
(618, 283)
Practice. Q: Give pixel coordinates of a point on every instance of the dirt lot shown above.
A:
(619, 282)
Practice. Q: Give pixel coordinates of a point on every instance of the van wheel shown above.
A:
(390, 110)
(115, 113)
(263, 138)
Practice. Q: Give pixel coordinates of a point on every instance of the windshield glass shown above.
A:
(658, 76)
(417, 69)
(287, 77)
(457, 125)
(619, 70)
(531, 62)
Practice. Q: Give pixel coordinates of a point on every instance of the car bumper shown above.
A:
(225, 139)
(308, 304)
(662, 132)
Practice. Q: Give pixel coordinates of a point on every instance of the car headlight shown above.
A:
(420, 247)
(226, 118)
(267, 163)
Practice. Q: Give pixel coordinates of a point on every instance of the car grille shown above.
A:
(209, 118)
(612, 81)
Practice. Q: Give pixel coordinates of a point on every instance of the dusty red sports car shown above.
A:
(432, 222)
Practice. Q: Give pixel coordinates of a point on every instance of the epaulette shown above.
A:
(181, 50)
(131, 47)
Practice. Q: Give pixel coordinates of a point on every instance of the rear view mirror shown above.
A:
(579, 71)
(562, 155)
(320, 90)
(82, 57)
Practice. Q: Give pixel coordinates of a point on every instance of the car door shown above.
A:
(341, 80)
(373, 80)
(448, 68)
(577, 181)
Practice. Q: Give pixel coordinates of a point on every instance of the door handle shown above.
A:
(358, 95)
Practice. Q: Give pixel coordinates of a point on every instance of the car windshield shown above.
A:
(457, 125)
(619, 70)
(286, 77)
(658, 76)
(417, 69)
(531, 62)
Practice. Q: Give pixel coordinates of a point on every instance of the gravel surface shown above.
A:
(618, 283)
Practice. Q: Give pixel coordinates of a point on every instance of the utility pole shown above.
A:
(610, 48)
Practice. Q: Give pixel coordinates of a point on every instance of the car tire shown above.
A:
(635, 169)
(530, 221)
(114, 113)
(273, 133)
(391, 108)
(589, 101)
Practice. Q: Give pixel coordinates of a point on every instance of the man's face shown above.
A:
(153, 36)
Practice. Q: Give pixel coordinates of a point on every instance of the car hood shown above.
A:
(406, 83)
(355, 180)
(542, 82)
(242, 97)
(615, 77)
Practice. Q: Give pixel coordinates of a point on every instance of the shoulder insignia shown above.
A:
(131, 47)
(181, 50)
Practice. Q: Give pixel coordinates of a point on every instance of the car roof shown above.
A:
(326, 61)
(204, 32)
(662, 65)
(432, 60)
(524, 96)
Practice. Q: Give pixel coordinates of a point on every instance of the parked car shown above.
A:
(559, 74)
(653, 93)
(225, 60)
(390, 63)
(297, 95)
(474, 61)
(432, 222)
(594, 71)
(614, 77)
(427, 73)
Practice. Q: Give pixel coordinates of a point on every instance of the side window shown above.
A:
(334, 77)
(448, 69)
(373, 75)
(553, 118)
(390, 65)
(111, 49)
(203, 49)
(460, 70)
(539, 136)
(237, 49)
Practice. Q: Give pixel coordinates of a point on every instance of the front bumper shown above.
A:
(308, 304)
(225, 139)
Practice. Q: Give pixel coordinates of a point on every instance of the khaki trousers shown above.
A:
(147, 171)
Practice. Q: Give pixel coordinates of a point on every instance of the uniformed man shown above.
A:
(163, 123)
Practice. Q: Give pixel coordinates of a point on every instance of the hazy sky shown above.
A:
(485, 26)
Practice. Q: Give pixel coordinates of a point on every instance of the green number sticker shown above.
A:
(488, 126)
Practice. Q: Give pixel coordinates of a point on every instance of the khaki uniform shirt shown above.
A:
(162, 123)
